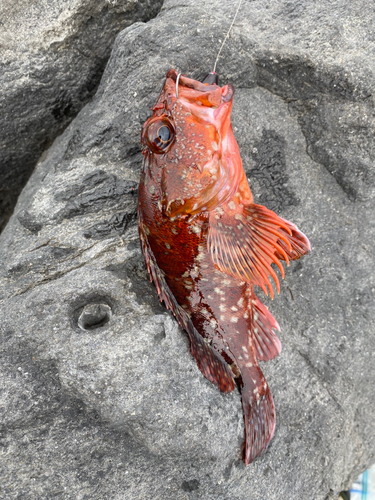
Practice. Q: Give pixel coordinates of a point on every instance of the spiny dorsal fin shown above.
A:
(246, 240)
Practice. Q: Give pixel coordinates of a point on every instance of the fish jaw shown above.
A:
(202, 167)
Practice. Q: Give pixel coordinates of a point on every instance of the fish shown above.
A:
(207, 245)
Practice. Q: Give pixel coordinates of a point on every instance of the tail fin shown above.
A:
(259, 414)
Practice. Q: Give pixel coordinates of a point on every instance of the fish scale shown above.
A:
(207, 245)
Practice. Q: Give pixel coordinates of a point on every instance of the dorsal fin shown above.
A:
(245, 240)
(210, 363)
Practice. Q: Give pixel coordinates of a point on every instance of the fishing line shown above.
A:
(226, 36)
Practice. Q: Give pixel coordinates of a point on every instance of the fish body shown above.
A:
(207, 245)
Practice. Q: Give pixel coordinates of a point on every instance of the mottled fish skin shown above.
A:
(206, 245)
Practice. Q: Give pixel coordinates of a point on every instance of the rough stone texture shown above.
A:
(53, 54)
(120, 410)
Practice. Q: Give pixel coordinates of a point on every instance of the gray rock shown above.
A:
(53, 54)
(100, 396)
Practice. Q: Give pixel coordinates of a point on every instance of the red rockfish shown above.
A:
(207, 245)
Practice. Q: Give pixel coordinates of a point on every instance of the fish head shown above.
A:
(189, 140)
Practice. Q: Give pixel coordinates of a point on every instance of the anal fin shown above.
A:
(266, 344)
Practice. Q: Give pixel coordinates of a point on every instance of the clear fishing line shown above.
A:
(226, 36)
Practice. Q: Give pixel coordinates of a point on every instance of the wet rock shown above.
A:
(118, 409)
(52, 57)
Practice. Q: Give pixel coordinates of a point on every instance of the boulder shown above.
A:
(53, 54)
(100, 395)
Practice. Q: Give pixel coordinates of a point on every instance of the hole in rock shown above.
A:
(191, 485)
(94, 316)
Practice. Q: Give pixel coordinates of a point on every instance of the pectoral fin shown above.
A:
(299, 243)
(246, 240)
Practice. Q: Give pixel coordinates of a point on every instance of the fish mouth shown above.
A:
(227, 91)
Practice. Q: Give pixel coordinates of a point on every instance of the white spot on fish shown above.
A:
(234, 319)
(234, 308)
(232, 205)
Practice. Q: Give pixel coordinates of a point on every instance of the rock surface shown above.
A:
(101, 398)
(53, 54)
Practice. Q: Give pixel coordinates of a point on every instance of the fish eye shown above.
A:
(163, 134)
(160, 135)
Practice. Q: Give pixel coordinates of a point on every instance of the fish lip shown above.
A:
(226, 92)
(189, 82)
